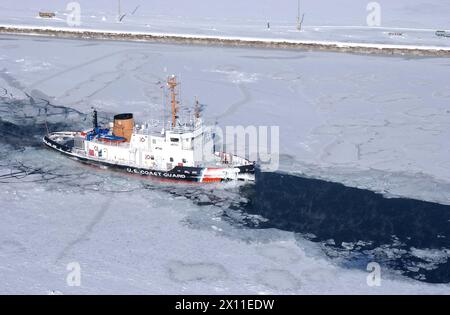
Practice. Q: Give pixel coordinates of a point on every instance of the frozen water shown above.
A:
(370, 122)
(361, 119)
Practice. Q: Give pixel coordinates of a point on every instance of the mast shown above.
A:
(172, 83)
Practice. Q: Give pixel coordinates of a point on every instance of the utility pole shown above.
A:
(120, 16)
(119, 9)
(299, 21)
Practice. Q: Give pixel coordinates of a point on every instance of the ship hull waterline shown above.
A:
(178, 173)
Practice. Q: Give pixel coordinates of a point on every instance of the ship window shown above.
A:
(184, 160)
(152, 157)
(171, 159)
(154, 141)
(174, 139)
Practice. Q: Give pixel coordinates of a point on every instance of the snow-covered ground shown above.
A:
(401, 22)
(373, 122)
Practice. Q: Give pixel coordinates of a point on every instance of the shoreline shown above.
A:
(229, 41)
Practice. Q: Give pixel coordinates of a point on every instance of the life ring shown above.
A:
(95, 148)
(147, 157)
(142, 139)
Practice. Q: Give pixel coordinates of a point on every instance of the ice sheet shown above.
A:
(374, 122)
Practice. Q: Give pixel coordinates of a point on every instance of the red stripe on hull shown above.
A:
(211, 180)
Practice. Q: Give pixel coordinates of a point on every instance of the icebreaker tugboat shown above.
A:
(167, 154)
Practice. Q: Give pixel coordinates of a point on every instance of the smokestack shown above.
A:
(94, 119)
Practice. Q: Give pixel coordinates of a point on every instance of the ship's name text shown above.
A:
(154, 173)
